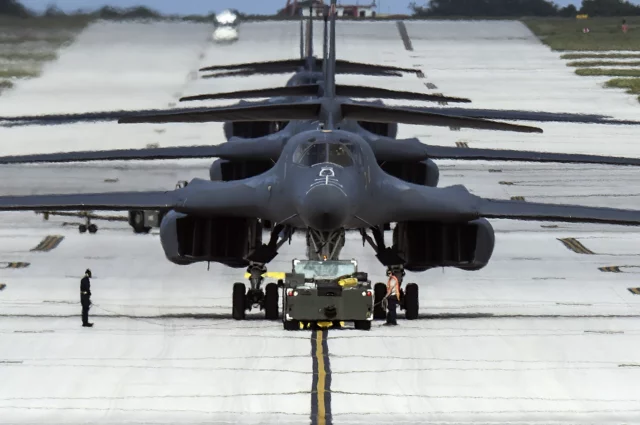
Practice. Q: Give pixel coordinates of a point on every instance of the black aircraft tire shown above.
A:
(238, 309)
(92, 228)
(363, 325)
(379, 292)
(291, 325)
(82, 228)
(271, 302)
(411, 303)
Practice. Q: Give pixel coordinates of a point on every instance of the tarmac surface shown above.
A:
(541, 335)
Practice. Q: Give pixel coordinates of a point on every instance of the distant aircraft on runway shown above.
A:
(226, 30)
(325, 181)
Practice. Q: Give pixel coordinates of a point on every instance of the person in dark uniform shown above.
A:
(85, 298)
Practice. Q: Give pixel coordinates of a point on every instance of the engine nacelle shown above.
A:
(380, 128)
(427, 245)
(191, 239)
(425, 173)
(252, 129)
(225, 170)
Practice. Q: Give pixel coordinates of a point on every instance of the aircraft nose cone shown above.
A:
(324, 208)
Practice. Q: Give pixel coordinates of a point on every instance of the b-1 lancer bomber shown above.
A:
(323, 182)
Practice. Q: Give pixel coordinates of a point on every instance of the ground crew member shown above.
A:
(85, 298)
(393, 297)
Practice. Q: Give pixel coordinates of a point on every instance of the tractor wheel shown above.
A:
(271, 302)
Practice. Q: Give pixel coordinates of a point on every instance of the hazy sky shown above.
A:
(185, 7)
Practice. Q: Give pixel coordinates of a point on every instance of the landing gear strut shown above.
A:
(255, 297)
(395, 266)
(88, 225)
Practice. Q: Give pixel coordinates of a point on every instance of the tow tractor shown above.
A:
(326, 293)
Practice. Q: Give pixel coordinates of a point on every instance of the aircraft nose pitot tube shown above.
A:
(324, 208)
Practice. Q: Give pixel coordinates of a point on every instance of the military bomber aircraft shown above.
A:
(324, 181)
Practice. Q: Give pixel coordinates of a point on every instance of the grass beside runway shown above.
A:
(605, 34)
(600, 56)
(631, 84)
(27, 44)
(608, 72)
(587, 64)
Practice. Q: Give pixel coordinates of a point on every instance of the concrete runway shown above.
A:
(541, 335)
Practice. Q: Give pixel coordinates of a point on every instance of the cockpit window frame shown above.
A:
(302, 152)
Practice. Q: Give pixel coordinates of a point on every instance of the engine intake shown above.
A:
(427, 245)
(252, 129)
(227, 240)
(381, 129)
(225, 170)
(425, 173)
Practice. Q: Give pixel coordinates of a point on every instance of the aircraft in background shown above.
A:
(323, 182)
(226, 27)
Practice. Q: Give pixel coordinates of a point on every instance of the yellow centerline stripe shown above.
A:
(322, 376)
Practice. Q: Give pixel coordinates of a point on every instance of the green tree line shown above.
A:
(511, 8)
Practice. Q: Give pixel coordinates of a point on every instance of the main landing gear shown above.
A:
(395, 265)
(408, 297)
(244, 300)
(88, 225)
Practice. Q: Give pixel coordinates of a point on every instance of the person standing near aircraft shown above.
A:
(393, 296)
(85, 298)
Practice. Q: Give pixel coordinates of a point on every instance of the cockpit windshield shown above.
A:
(309, 154)
(340, 155)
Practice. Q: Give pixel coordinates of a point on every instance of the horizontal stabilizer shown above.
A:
(378, 93)
(302, 90)
(519, 115)
(531, 211)
(286, 63)
(386, 114)
(470, 154)
(245, 149)
(251, 72)
(315, 90)
(275, 112)
(293, 64)
(59, 119)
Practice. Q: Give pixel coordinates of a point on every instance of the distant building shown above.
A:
(300, 7)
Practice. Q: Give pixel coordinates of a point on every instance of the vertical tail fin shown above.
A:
(325, 43)
(301, 37)
(330, 76)
(310, 34)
